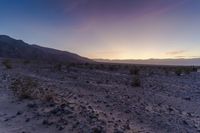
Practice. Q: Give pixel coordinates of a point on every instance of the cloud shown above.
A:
(176, 52)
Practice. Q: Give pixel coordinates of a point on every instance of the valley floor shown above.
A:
(93, 101)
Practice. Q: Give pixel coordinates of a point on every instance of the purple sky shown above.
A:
(113, 29)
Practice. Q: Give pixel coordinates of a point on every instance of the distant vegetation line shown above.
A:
(185, 62)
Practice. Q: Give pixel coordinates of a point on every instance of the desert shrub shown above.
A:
(7, 63)
(166, 71)
(49, 96)
(194, 69)
(134, 71)
(136, 81)
(25, 62)
(178, 71)
(91, 67)
(112, 68)
(102, 66)
(99, 82)
(86, 64)
(58, 67)
(151, 72)
(97, 66)
(28, 88)
(24, 88)
(187, 70)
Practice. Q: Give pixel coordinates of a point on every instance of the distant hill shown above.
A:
(12, 48)
(186, 62)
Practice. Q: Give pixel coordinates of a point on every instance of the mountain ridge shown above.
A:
(13, 48)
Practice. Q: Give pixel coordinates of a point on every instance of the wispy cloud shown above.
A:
(176, 52)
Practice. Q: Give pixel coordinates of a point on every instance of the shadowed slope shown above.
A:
(12, 48)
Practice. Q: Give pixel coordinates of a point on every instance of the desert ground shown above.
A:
(98, 98)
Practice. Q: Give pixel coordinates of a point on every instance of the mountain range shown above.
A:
(12, 48)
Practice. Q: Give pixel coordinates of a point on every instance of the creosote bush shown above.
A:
(134, 71)
(194, 69)
(7, 63)
(25, 62)
(58, 67)
(28, 88)
(24, 88)
(166, 72)
(49, 96)
(136, 81)
(178, 71)
(187, 70)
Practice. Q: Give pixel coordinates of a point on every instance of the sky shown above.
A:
(107, 29)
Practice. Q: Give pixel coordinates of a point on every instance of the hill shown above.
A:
(12, 48)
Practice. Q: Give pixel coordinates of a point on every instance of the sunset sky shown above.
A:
(109, 29)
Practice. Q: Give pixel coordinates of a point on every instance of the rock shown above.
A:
(61, 127)
(46, 122)
(27, 120)
(185, 122)
(6, 119)
(98, 129)
(170, 109)
(19, 113)
(118, 131)
(32, 105)
(187, 98)
(128, 111)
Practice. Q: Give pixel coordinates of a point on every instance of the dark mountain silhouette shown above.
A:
(12, 48)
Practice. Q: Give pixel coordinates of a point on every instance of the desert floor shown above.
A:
(88, 100)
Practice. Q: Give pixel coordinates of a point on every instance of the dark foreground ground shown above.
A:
(45, 98)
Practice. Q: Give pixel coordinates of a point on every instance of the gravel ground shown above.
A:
(85, 100)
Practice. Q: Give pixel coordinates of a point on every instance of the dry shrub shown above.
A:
(49, 96)
(7, 63)
(30, 88)
(136, 82)
(25, 62)
(178, 71)
(134, 71)
(58, 67)
(24, 88)
(187, 70)
(166, 72)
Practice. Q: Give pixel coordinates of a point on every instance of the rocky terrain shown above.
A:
(98, 98)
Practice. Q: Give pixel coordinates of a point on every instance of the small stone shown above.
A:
(185, 122)
(61, 128)
(27, 120)
(6, 119)
(98, 129)
(32, 105)
(19, 113)
(187, 98)
(46, 122)
(118, 131)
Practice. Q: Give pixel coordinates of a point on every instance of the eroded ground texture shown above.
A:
(86, 100)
